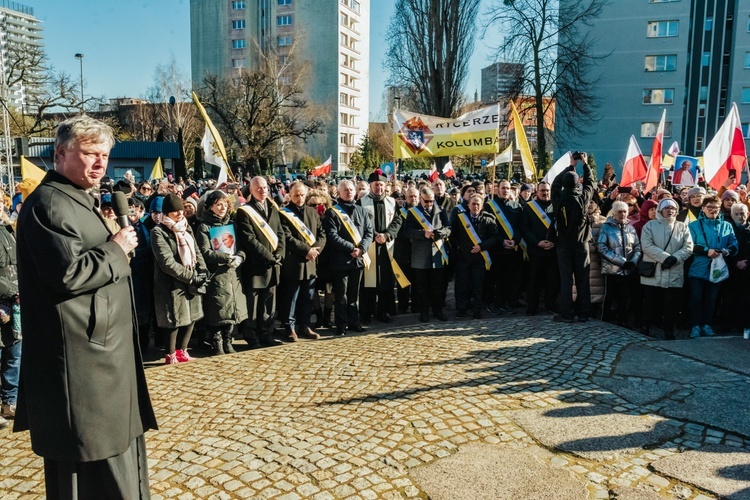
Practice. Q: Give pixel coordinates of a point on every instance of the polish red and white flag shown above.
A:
(725, 153)
(448, 170)
(654, 164)
(635, 165)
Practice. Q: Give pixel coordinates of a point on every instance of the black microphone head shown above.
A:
(120, 204)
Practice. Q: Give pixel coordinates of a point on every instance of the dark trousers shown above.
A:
(296, 304)
(543, 274)
(662, 302)
(702, 302)
(573, 261)
(469, 283)
(377, 301)
(404, 295)
(619, 291)
(428, 290)
(346, 293)
(261, 307)
(504, 281)
(121, 476)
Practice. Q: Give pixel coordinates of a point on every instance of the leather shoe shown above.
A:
(340, 331)
(310, 334)
(357, 328)
(441, 316)
(562, 319)
(385, 318)
(291, 336)
(424, 317)
(461, 313)
(268, 341)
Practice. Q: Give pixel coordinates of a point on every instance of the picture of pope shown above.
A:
(686, 171)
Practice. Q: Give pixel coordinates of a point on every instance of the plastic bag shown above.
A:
(719, 270)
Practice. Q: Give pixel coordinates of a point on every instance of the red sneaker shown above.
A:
(183, 356)
(171, 359)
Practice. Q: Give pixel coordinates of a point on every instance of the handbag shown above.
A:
(648, 269)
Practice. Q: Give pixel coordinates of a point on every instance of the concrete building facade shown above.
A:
(21, 42)
(500, 80)
(334, 36)
(690, 57)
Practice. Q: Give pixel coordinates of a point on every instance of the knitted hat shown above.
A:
(696, 190)
(730, 194)
(464, 188)
(526, 187)
(172, 203)
(667, 202)
(192, 201)
(156, 204)
(570, 179)
(212, 197)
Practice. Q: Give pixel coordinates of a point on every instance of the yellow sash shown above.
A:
(262, 226)
(402, 280)
(353, 233)
(304, 231)
(505, 224)
(540, 213)
(404, 213)
(474, 237)
(427, 226)
(691, 217)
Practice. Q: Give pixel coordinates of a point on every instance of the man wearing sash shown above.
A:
(467, 192)
(402, 252)
(305, 240)
(695, 205)
(262, 237)
(427, 228)
(503, 290)
(472, 234)
(349, 234)
(537, 227)
(378, 294)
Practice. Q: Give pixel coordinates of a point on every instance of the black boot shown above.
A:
(318, 318)
(216, 344)
(226, 338)
(327, 317)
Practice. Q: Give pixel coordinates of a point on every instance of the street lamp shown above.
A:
(79, 56)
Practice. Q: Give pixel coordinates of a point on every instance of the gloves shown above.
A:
(278, 259)
(669, 262)
(197, 285)
(628, 266)
(235, 261)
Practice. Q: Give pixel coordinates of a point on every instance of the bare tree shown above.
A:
(261, 112)
(553, 44)
(431, 42)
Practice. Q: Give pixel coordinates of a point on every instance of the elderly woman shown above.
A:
(667, 243)
(620, 251)
(712, 237)
(180, 277)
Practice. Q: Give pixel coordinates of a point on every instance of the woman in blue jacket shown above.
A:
(712, 237)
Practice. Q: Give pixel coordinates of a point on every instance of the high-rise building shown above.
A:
(21, 48)
(501, 80)
(690, 57)
(335, 40)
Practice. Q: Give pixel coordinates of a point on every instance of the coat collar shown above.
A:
(58, 181)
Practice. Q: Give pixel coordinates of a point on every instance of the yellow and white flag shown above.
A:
(31, 171)
(506, 156)
(419, 136)
(523, 144)
(213, 147)
(158, 171)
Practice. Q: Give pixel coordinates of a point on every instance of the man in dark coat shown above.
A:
(402, 252)
(83, 393)
(349, 234)
(471, 259)
(427, 228)
(378, 294)
(305, 240)
(262, 237)
(537, 227)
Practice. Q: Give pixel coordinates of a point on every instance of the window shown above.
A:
(283, 20)
(661, 63)
(745, 96)
(706, 59)
(648, 129)
(662, 1)
(747, 60)
(344, 19)
(342, 140)
(701, 110)
(284, 2)
(703, 93)
(239, 63)
(709, 24)
(663, 28)
(658, 96)
(283, 60)
(342, 158)
(239, 44)
(746, 130)
(344, 119)
(238, 24)
(285, 79)
(355, 6)
(283, 41)
(344, 98)
(343, 39)
(239, 5)
(699, 144)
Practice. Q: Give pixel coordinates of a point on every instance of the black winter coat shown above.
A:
(296, 266)
(461, 244)
(339, 243)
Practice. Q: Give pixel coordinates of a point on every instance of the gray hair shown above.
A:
(737, 208)
(345, 182)
(298, 185)
(83, 128)
(426, 191)
(616, 206)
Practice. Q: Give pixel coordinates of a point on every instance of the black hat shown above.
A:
(172, 203)
(377, 176)
(122, 186)
(465, 188)
(526, 187)
(212, 197)
(570, 179)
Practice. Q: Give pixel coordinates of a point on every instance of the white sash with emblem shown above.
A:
(300, 226)
(262, 225)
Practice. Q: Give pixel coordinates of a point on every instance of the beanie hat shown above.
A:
(17, 198)
(730, 194)
(526, 187)
(464, 188)
(696, 190)
(106, 199)
(192, 201)
(156, 204)
(570, 179)
(667, 202)
(172, 203)
(212, 197)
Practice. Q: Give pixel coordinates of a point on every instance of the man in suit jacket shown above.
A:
(305, 240)
(262, 237)
(83, 393)
(347, 255)
(427, 228)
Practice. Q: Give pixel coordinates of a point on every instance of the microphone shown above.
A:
(120, 208)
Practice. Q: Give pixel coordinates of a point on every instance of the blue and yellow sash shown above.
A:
(427, 226)
(505, 224)
(262, 225)
(540, 213)
(304, 231)
(474, 237)
(353, 232)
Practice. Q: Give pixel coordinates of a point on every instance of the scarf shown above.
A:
(185, 241)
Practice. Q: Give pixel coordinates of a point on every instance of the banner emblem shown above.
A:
(416, 134)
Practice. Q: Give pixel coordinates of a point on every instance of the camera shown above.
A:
(577, 155)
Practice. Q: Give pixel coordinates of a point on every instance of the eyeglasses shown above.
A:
(428, 202)
(712, 207)
(146, 188)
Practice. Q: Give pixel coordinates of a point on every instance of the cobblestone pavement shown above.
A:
(350, 417)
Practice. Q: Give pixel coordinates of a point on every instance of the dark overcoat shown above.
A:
(260, 269)
(425, 253)
(296, 267)
(82, 390)
(174, 304)
(340, 244)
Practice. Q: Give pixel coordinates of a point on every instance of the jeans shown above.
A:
(703, 295)
(10, 366)
(297, 304)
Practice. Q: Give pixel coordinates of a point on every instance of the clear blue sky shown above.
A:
(123, 42)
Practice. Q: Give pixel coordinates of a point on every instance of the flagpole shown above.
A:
(494, 167)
